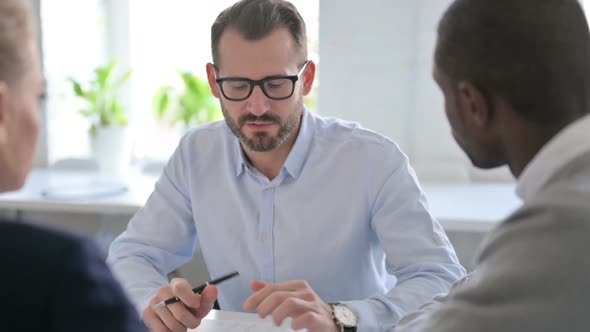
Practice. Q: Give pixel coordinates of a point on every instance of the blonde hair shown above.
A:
(16, 32)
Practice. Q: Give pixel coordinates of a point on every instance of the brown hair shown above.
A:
(16, 30)
(255, 19)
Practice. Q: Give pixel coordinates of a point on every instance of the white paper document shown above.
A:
(224, 321)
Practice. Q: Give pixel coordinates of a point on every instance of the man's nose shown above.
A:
(258, 102)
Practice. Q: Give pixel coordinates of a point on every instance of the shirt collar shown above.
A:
(567, 145)
(300, 150)
(239, 156)
(297, 155)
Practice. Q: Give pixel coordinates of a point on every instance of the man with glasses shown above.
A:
(323, 219)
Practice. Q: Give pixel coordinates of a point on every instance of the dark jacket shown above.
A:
(53, 281)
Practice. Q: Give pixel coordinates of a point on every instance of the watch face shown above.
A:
(345, 316)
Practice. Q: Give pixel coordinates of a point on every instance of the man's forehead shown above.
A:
(274, 54)
(278, 42)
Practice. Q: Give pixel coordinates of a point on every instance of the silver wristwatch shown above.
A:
(344, 318)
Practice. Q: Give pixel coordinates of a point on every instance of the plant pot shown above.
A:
(111, 149)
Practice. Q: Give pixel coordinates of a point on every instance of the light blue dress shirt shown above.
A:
(345, 214)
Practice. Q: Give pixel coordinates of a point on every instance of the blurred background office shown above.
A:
(145, 56)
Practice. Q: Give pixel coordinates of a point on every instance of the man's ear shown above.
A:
(211, 77)
(474, 104)
(4, 116)
(308, 77)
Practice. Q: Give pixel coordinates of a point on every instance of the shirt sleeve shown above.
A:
(86, 295)
(416, 317)
(523, 281)
(159, 238)
(418, 253)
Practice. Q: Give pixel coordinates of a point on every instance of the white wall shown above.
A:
(367, 61)
(376, 64)
(434, 152)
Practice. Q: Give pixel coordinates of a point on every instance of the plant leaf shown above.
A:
(93, 130)
(118, 113)
(78, 91)
(103, 107)
(191, 104)
(103, 73)
(161, 102)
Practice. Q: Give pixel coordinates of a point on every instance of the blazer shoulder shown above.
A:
(67, 279)
(35, 242)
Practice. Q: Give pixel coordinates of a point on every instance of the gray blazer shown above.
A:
(533, 272)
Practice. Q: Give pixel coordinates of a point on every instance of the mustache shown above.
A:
(266, 117)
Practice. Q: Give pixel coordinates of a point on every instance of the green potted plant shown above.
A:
(193, 104)
(107, 117)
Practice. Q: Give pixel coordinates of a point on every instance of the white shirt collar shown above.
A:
(568, 144)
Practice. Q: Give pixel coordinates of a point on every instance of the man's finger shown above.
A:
(208, 297)
(169, 320)
(257, 285)
(274, 300)
(153, 322)
(182, 314)
(254, 300)
(290, 307)
(184, 291)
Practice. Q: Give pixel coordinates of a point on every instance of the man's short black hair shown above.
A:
(533, 53)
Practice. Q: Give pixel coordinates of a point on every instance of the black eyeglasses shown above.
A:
(274, 87)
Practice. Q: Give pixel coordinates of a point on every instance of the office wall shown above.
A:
(375, 68)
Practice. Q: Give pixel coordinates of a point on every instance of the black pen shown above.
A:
(197, 290)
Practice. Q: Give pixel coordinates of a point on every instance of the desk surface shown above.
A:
(458, 207)
(91, 198)
(471, 207)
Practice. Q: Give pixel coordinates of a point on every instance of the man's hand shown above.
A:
(182, 315)
(293, 299)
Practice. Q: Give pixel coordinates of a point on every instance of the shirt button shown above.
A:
(265, 238)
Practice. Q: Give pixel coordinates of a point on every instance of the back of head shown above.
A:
(16, 31)
(255, 19)
(533, 53)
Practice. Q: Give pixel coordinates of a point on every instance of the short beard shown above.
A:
(262, 142)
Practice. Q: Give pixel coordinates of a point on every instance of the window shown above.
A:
(154, 38)
(72, 46)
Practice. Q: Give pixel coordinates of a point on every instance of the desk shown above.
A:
(458, 207)
(474, 207)
(31, 199)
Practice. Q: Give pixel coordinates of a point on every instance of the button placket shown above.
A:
(266, 233)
